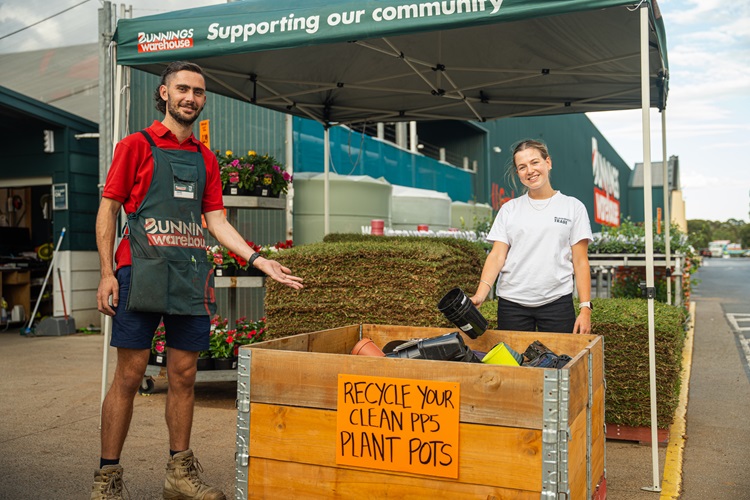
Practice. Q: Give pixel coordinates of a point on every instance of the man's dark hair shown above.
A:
(174, 67)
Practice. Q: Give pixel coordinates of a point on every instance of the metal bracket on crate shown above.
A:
(555, 435)
(589, 409)
(242, 453)
(604, 411)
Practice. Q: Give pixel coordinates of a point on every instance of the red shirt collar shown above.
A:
(162, 131)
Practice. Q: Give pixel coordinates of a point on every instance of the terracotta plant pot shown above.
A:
(366, 347)
(377, 226)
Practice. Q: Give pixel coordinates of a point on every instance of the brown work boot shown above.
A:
(183, 481)
(107, 483)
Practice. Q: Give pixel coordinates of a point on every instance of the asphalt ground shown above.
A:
(50, 389)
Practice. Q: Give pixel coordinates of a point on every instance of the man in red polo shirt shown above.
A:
(164, 180)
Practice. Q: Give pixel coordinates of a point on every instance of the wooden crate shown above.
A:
(523, 432)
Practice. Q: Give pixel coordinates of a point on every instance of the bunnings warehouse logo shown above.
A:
(169, 40)
(607, 190)
(167, 233)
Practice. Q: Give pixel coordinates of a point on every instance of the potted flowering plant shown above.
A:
(267, 251)
(254, 174)
(236, 175)
(249, 332)
(158, 354)
(205, 361)
(280, 245)
(221, 344)
(226, 262)
(271, 178)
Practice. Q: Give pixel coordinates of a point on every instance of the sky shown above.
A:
(708, 107)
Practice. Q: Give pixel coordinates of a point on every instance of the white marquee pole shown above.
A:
(289, 154)
(649, 226)
(326, 180)
(107, 326)
(667, 202)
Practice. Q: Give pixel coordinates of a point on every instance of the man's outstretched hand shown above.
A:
(278, 272)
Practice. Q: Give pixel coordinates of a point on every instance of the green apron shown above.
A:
(170, 271)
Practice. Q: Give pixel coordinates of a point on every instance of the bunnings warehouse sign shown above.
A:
(606, 188)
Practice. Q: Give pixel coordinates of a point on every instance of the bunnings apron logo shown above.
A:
(167, 233)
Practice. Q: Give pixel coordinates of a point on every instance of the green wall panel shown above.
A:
(569, 140)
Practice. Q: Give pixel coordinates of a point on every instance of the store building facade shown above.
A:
(48, 181)
(468, 161)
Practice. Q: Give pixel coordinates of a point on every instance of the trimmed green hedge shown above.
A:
(624, 325)
(351, 279)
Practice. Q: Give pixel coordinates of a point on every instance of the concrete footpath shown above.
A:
(49, 438)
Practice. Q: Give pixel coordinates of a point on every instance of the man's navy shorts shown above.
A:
(134, 330)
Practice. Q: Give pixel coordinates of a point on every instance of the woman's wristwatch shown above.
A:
(586, 304)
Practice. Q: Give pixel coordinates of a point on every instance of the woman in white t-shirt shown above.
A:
(540, 241)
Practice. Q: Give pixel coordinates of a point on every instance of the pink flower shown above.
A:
(277, 168)
(235, 162)
(286, 176)
(218, 259)
(234, 177)
(160, 346)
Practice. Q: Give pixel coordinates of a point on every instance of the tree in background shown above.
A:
(701, 232)
(745, 236)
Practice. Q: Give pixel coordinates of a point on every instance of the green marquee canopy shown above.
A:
(342, 61)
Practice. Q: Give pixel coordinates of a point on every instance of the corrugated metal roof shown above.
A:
(64, 77)
(657, 174)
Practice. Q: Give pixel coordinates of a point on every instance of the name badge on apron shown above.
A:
(185, 179)
(183, 189)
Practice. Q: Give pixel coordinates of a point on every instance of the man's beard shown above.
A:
(173, 109)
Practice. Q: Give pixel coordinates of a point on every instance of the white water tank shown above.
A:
(467, 215)
(354, 201)
(412, 207)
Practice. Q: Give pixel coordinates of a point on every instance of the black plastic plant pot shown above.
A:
(460, 311)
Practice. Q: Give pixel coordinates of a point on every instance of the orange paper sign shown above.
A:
(398, 424)
(658, 220)
(205, 133)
